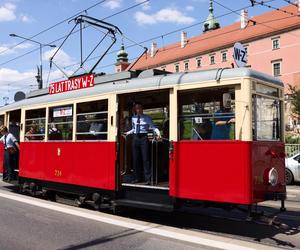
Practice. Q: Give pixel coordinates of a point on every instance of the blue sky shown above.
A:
(152, 19)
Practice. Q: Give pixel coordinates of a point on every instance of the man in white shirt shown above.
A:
(10, 145)
(141, 124)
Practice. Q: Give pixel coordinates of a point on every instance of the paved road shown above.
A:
(25, 226)
(30, 226)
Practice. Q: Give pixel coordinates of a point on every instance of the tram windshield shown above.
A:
(207, 114)
(267, 113)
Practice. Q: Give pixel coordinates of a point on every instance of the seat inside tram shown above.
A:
(155, 105)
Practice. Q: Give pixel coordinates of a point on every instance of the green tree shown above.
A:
(295, 101)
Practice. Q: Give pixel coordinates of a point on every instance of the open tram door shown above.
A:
(155, 105)
(13, 123)
(2, 122)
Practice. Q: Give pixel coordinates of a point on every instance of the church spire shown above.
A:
(211, 22)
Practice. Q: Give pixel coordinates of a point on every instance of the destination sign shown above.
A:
(80, 82)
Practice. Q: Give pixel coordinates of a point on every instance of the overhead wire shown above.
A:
(55, 25)
(263, 3)
(290, 2)
(255, 21)
(74, 32)
(185, 28)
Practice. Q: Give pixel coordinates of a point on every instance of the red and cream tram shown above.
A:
(222, 138)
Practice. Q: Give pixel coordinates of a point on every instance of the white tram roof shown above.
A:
(124, 83)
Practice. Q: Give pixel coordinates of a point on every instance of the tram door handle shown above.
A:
(171, 150)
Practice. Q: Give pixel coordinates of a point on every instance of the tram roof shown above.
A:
(113, 85)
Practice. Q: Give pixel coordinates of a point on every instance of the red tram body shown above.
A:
(220, 171)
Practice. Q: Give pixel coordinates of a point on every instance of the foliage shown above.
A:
(292, 138)
(295, 100)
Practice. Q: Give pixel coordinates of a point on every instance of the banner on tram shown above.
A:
(80, 82)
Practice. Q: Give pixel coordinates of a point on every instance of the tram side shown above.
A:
(224, 137)
(241, 161)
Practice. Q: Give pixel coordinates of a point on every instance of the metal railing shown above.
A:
(292, 149)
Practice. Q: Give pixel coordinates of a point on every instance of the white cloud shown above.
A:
(7, 12)
(26, 19)
(167, 15)
(189, 8)
(8, 49)
(113, 4)
(145, 6)
(62, 59)
(11, 75)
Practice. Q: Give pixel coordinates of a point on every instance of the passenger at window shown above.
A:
(203, 129)
(96, 126)
(29, 134)
(224, 118)
(141, 124)
(10, 153)
(54, 133)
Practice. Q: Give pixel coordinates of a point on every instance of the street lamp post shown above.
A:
(40, 77)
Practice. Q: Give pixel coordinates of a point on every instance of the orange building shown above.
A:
(272, 40)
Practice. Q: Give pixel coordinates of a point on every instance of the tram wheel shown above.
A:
(289, 178)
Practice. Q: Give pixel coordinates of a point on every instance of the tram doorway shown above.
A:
(14, 127)
(156, 106)
(14, 123)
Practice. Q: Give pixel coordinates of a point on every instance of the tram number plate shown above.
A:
(198, 120)
(57, 173)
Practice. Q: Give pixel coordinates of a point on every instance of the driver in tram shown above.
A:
(141, 124)
(224, 119)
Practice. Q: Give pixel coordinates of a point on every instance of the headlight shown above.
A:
(273, 177)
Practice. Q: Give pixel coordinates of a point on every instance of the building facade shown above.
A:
(272, 41)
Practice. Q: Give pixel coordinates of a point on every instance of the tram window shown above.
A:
(207, 115)
(35, 125)
(1, 120)
(60, 125)
(266, 122)
(92, 120)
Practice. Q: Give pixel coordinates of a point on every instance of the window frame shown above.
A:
(181, 118)
(212, 62)
(276, 41)
(90, 113)
(31, 119)
(279, 62)
(278, 98)
(73, 115)
(199, 62)
(224, 59)
(186, 65)
(177, 67)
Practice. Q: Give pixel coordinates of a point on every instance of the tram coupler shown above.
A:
(260, 217)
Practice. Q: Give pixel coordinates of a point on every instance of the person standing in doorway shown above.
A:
(141, 124)
(10, 145)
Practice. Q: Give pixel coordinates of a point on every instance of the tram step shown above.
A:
(144, 205)
(146, 195)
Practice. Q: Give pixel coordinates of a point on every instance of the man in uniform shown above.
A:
(10, 142)
(141, 124)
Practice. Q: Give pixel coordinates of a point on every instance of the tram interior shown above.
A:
(155, 104)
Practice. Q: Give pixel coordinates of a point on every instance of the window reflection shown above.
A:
(207, 115)
(60, 123)
(92, 120)
(35, 125)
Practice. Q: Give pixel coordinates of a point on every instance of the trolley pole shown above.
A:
(41, 45)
